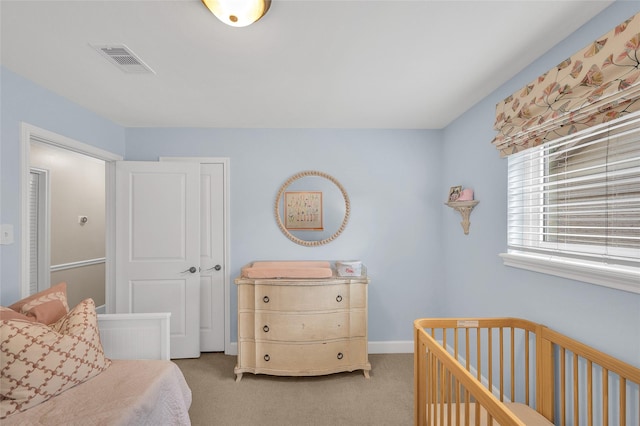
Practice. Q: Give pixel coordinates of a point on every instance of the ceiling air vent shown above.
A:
(122, 57)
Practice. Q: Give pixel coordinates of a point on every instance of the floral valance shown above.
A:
(597, 84)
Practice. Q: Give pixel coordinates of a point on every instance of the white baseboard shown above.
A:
(232, 349)
(392, 347)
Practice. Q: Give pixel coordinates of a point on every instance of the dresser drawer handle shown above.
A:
(340, 356)
(339, 299)
(265, 299)
(265, 328)
(267, 357)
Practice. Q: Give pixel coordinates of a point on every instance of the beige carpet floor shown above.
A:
(337, 399)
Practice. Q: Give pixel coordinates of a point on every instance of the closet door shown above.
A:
(213, 250)
(212, 257)
(158, 246)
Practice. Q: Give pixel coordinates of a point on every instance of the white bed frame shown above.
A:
(135, 336)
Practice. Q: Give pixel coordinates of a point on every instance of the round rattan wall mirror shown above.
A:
(312, 208)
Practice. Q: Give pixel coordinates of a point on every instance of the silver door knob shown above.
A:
(217, 267)
(193, 270)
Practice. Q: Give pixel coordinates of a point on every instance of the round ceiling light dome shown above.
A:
(238, 13)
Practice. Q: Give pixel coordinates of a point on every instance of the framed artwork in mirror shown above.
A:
(303, 210)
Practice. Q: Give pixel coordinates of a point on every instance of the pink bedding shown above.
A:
(129, 392)
(288, 269)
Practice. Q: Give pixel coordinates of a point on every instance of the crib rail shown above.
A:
(491, 358)
(594, 388)
(467, 369)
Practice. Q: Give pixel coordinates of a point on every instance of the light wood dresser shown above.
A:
(302, 327)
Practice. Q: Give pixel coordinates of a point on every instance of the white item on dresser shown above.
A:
(350, 268)
(135, 336)
(302, 327)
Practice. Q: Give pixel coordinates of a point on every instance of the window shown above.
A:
(574, 206)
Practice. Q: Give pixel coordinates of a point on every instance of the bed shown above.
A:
(64, 366)
(509, 371)
(128, 392)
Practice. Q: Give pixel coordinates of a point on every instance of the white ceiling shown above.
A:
(306, 64)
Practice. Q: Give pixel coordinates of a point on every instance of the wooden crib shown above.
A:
(509, 371)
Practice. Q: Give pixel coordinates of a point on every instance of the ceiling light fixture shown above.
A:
(238, 13)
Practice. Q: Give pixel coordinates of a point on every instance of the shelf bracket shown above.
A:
(464, 208)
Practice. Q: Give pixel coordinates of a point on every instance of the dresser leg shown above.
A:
(238, 377)
(366, 373)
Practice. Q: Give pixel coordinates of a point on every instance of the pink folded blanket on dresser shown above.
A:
(288, 269)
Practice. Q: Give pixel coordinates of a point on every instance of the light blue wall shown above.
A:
(392, 178)
(23, 101)
(477, 284)
(420, 261)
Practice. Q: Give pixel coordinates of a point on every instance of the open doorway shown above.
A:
(70, 207)
(70, 240)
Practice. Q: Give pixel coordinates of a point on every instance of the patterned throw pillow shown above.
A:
(8, 313)
(47, 306)
(38, 361)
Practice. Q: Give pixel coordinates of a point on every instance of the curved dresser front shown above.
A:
(302, 327)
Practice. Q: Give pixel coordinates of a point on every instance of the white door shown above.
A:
(213, 250)
(212, 257)
(158, 246)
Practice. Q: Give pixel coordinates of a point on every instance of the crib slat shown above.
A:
(563, 387)
(441, 394)
(501, 364)
(458, 387)
(576, 401)
(466, 407)
(478, 353)
(526, 367)
(623, 401)
(427, 394)
(434, 393)
(444, 338)
(605, 397)
(589, 393)
(455, 343)
(448, 394)
(440, 387)
(456, 351)
(490, 357)
(437, 372)
(513, 362)
(466, 348)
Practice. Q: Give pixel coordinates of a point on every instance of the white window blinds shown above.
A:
(578, 197)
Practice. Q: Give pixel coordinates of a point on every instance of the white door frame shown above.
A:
(227, 217)
(28, 133)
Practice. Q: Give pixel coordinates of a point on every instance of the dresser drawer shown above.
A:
(294, 327)
(302, 298)
(304, 358)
